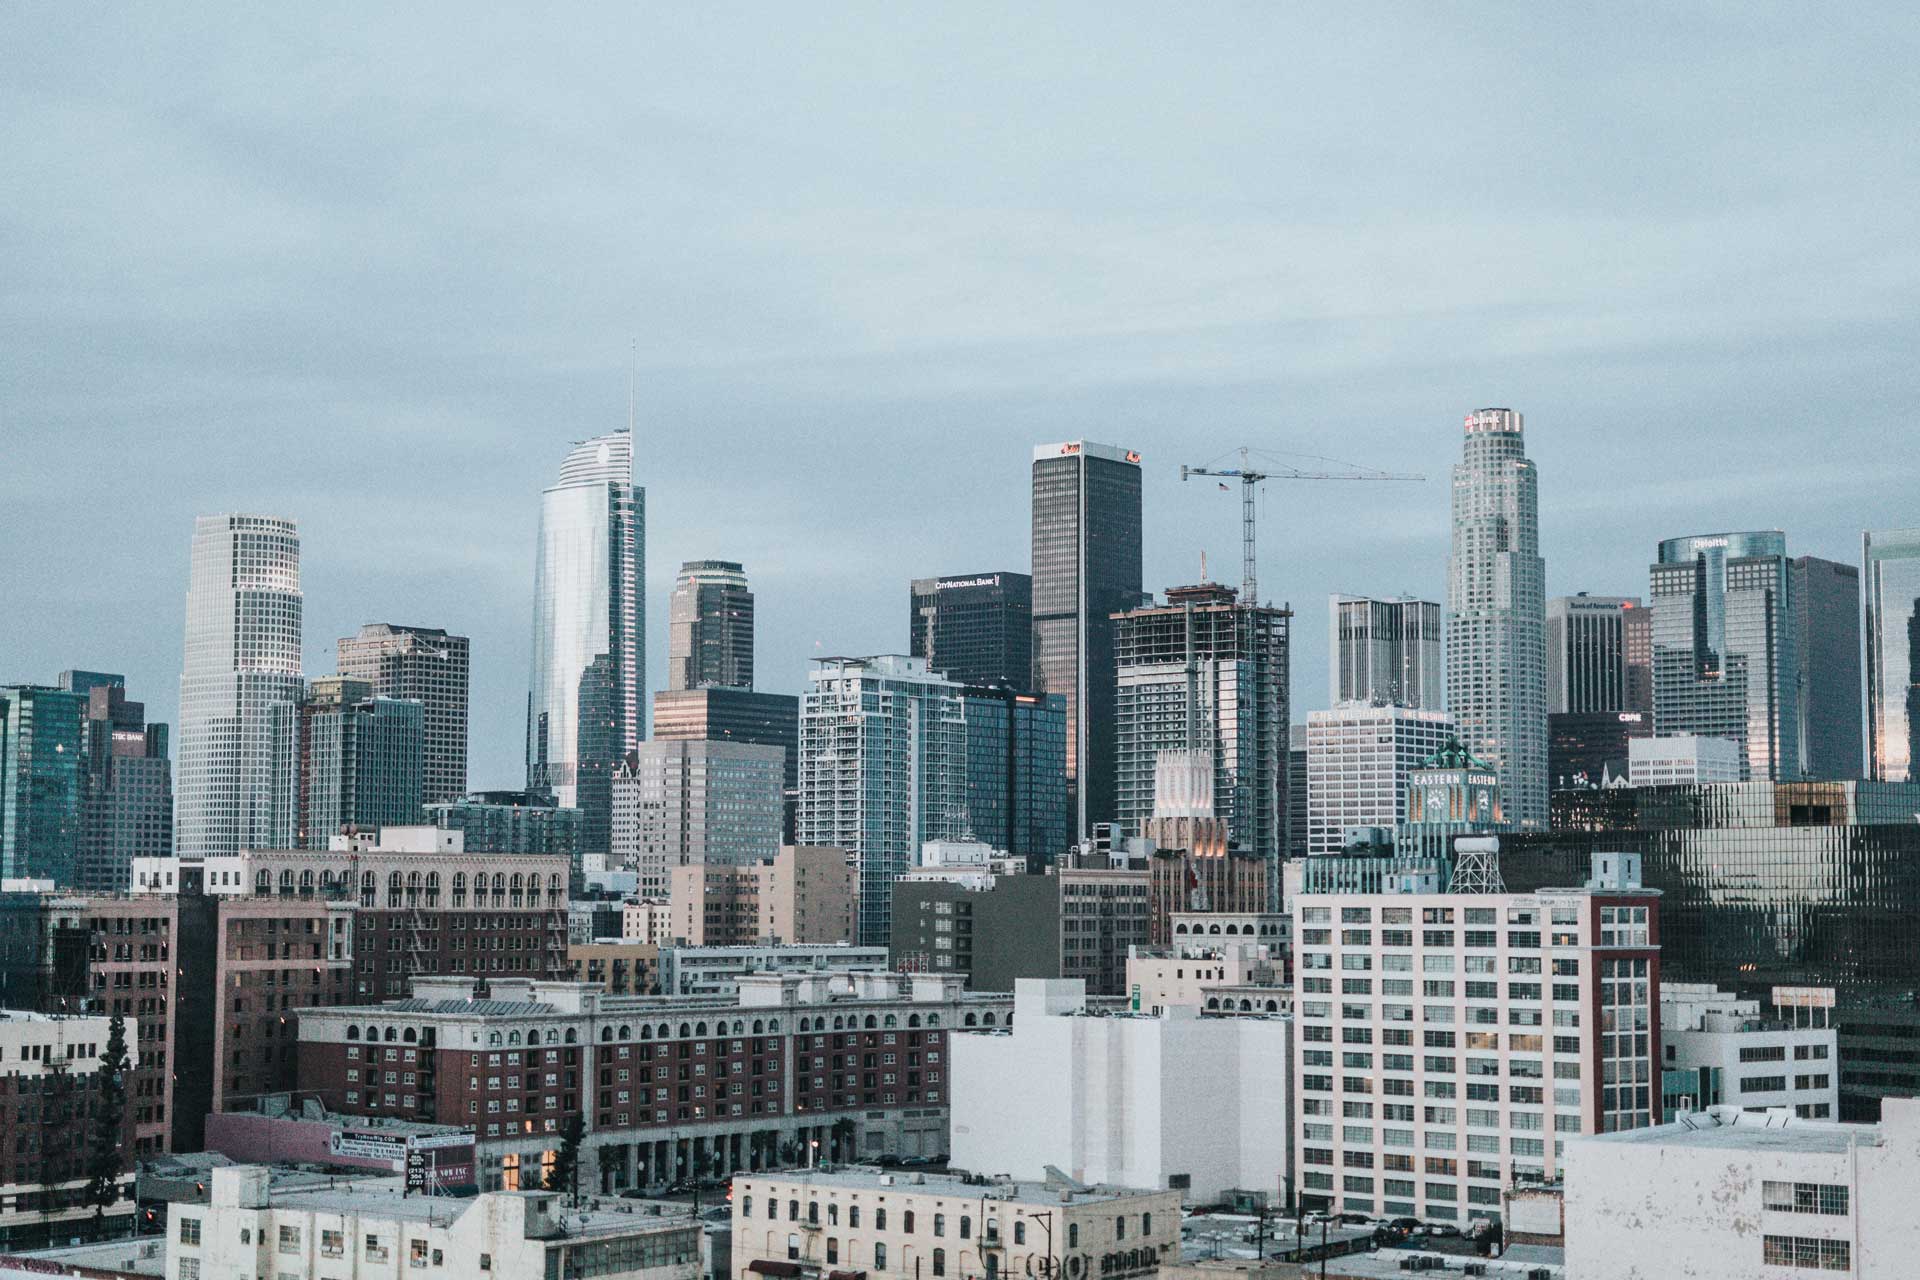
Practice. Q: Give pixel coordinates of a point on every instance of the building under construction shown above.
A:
(1204, 672)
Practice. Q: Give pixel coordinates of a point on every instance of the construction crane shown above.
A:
(1250, 479)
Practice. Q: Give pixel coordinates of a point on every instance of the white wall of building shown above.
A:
(1689, 1201)
(1128, 1100)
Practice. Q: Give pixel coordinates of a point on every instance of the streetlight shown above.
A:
(813, 1149)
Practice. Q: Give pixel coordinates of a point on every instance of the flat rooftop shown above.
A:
(1727, 1129)
(383, 1198)
(914, 1182)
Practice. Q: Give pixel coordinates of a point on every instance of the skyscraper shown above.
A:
(345, 758)
(127, 797)
(1825, 598)
(1496, 612)
(242, 658)
(976, 628)
(42, 781)
(589, 624)
(736, 715)
(695, 803)
(1588, 653)
(883, 770)
(1384, 652)
(710, 627)
(1204, 672)
(1016, 772)
(1086, 568)
(1723, 647)
(1891, 560)
(428, 666)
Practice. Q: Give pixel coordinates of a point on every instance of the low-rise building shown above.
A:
(1221, 963)
(1725, 1051)
(48, 1085)
(1119, 1104)
(716, 971)
(1727, 1194)
(1683, 758)
(618, 966)
(816, 1223)
(664, 1087)
(253, 1229)
(647, 920)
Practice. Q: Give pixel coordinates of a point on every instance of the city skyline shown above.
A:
(238, 362)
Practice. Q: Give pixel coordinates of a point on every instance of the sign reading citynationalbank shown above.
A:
(953, 584)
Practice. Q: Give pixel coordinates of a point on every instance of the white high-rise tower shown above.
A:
(589, 625)
(1496, 612)
(242, 658)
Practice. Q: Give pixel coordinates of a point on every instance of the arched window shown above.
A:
(515, 886)
(1019, 1230)
(353, 1032)
(933, 1019)
(853, 1215)
(571, 1037)
(1073, 1235)
(700, 1028)
(913, 1019)
(513, 1038)
(891, 1021)
(394, 889)
(499, 887)
(459, 888)
(493, 1038)
(872, 1022)
(306, 883)
(390, 1036)
(973, 1020)
(410, 1036)
(626, 1032)
(758, 1026)
(433, 888)
(939, 1262)
(906, 1222)
(880, 1219)
(988, 1019)
(686, 1030)
(966, 1226)
(606, 1035)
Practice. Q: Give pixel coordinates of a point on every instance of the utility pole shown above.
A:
(1250, 479)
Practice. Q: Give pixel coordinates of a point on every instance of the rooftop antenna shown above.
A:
(633, 360)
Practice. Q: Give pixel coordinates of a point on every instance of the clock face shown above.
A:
(1436, 801)
(1483, 800)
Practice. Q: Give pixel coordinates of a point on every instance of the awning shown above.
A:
(768, 1267)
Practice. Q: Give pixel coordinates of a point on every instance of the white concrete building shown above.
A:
(1722, 1050)
(716, 971)
(1448, 1044)
(1738, 1195)
(1359, 760)
(817, 1223)
(252, 1229)
(1682, 759)
(1179, 1102)
(34, 1048)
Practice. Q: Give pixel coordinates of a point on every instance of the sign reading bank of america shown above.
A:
(953, 584)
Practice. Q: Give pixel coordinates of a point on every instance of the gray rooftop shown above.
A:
(913, 1182)
(1728, 1129)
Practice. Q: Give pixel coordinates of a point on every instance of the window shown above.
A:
(939, 1224)
(966, 1226)
(880, 1221)
(289, 1240)
(333, 1244)
(377, 1252)
(416, 1253)
(939, 1262)
(189, 1269)
(1073, 1235)
(879, 1257)
(189, 1231)
(1804, 1197)
(906, 1222)
(1807, 1254)
(793, 1248)
(1019, 1231)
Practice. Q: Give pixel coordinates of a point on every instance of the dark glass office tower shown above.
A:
(1723, 646)
(737, 715)
(42, 782)
(429, 666)
(710, 627)
(127, 798)
(1891, 561)
(1016, 772)
(1086, 568)
(976, 628)
(1824, 596)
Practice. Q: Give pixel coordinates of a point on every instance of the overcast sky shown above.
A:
(372, 268)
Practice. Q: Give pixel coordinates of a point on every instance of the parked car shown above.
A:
(1442, 1229)
(1408, 1225)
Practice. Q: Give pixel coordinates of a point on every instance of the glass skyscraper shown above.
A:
(1496, 612)
(1890, 560)
(589, 623)
(1824, 596)
(1724, 664)
(883, 770)
(1385, 652)
(242, 659)
(1016, 772)
(1086, 568)
(127, 805)
(710, 627)
(429, 666)
(976, 628)
(42, 780)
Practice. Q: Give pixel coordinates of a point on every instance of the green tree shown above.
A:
(107, 1114)
(564, 1173)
